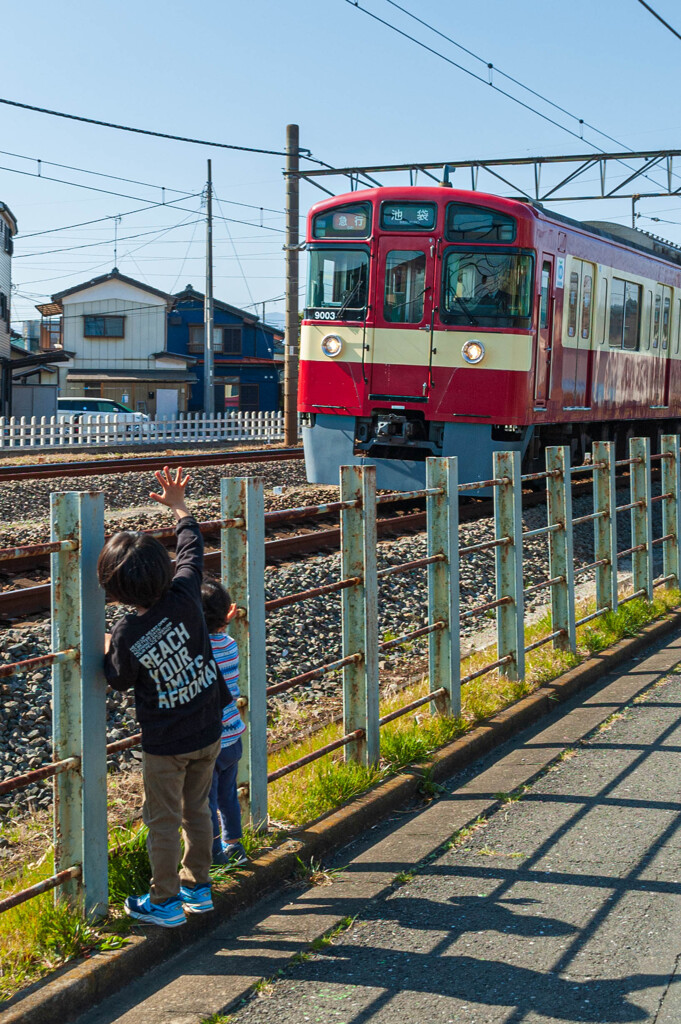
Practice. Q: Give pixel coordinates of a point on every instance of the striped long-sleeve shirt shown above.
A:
(226, 653)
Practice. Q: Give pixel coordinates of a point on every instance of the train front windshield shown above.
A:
(491, 289)
(338, 283)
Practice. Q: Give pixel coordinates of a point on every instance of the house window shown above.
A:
(4, 308)
(8, 240)
(249, 399)
(231, 341)
(104, 326)
(225, 340)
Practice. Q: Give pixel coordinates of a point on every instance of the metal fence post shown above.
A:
(443, 584)
(671, 508)
(359, 609)
(561, 564)
(508, 523)
(605, 526)
(641, 519)
(243, 572)
(79, 699)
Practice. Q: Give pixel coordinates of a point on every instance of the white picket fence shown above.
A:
(90, 429)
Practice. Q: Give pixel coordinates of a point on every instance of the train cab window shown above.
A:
(477, 224)
(666, 312)
(586, 306)
(656, 320)
(573, 296)
(405, 276)
(337, 285)
(545, 297)
(489, 289)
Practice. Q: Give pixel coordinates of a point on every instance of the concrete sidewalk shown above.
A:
(564, 906)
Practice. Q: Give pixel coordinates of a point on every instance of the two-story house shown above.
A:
(245, 369)
(8, 229)
(114, 330)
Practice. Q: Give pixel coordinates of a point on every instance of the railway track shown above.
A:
(135, 464)
(28, 599)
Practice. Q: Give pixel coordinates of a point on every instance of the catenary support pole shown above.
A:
(79, 699)
(243, 573)
(292, 256)
(208, 340)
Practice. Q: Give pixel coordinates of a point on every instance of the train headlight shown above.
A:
(473, 351)
(332, 345)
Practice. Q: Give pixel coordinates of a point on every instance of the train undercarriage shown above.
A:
(399, 442)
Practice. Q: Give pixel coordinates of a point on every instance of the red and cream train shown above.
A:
(443, 322)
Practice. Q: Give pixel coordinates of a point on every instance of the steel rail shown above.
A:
(146, 463)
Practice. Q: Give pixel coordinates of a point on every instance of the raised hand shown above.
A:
(173, 490)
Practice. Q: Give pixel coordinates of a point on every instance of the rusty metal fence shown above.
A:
(78, 769)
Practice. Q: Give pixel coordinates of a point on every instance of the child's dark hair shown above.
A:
(134, 568)
(216, 604)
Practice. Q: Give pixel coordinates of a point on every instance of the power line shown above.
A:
(99, 220)
(141, 131)
(488, 81)
(659, 18)
(106, 241)
(98, 174)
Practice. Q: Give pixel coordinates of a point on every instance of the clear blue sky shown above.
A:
(239, 72)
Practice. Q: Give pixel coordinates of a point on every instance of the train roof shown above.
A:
(646, 242)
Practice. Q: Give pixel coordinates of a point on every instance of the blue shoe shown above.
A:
(168, 914)
(196, 899)
(235, 854)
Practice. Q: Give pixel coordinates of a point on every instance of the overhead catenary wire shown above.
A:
(488, 81)
(90, 245)
(140, 131)
(659, 18)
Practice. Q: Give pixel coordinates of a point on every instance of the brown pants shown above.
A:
(176, 791)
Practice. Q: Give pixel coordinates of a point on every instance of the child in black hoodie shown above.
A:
(164, 652)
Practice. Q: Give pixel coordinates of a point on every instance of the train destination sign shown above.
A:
(408, 216)
(346, 222)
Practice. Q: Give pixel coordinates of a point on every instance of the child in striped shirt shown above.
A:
(224, 801)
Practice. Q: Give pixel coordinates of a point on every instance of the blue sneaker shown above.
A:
(168, 914)
(196, 899)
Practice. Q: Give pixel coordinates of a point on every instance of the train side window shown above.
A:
(677, 339)
(666, 312)
(616, 313)
(648, 328)
(602, 306)
(656, 320)
(632, 309)
(586, 306)
(572, 303)
(405, 275)
(545, 297)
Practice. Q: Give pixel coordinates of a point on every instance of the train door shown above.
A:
(403, 335)
(577, 356)
(661, 330)
(547, 309)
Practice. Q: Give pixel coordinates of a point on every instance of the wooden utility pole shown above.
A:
(292, 323)
(208, 347)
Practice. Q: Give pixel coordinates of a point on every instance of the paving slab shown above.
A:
(564, 906)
